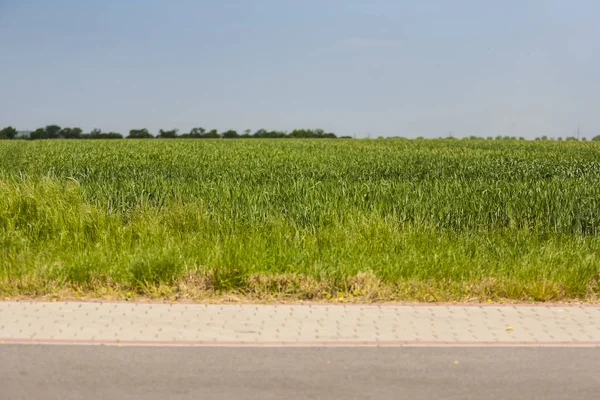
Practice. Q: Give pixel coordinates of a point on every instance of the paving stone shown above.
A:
(297, 325)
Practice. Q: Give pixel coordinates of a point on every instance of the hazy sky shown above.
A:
(384, 67)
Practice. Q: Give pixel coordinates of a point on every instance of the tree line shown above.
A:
(56, 132)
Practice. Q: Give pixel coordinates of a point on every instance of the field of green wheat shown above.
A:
(406, 220)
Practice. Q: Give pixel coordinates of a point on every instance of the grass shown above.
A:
(436, 220)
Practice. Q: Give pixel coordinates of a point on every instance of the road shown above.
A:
(46, 372)
(112, 350)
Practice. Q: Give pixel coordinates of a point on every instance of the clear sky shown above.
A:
(379, 67)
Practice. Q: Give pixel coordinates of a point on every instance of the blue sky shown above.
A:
(378, 67)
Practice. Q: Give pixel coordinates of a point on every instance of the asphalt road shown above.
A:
(99, 372)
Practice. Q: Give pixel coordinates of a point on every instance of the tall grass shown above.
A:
(385, 219)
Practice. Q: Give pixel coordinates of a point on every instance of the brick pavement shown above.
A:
(297, 325)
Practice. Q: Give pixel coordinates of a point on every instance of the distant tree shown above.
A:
(247, 132)
(49, 132)
(521, 138)
(139, 134)
(307, 133)
(559, 139)
(8, 133)
(596, 138)
(320, 133)
(264, 134)
(197, 133)
(583, 139)
(98, 134)
(230, 134)
(39, 133)
(537, 138)
(95, 133)
(489, 138)
(172, 134)
(300, 133)
(213, 134)
(261, 133)
(572, 138)
(52, 131)
(544, 137)
(498, 137)
(70, 133)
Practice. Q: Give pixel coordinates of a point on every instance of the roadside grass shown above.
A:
(383, 220)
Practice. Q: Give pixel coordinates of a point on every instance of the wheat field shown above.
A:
(390, 219)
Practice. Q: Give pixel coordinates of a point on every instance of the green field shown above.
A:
(426, 220)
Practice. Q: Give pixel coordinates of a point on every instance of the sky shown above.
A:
(365, 68)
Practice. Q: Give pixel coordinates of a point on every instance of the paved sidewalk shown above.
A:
(297, 325)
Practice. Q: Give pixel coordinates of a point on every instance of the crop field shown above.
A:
(390, 219)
